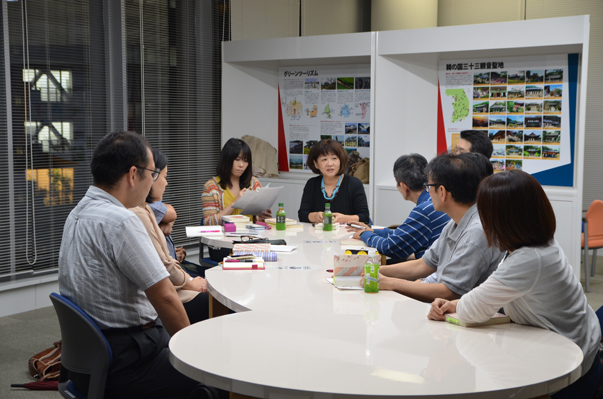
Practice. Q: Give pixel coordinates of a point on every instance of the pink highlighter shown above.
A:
(264, 224)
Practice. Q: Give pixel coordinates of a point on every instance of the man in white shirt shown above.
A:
(109, 267)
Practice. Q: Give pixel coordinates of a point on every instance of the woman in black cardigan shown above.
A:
(345, 193)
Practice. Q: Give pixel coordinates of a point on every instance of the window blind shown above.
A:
(174, 93)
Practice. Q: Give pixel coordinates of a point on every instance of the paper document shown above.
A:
(254, 202)
(200, 231)
(346, 283)
(282, 248)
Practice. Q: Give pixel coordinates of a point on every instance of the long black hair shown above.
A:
(161, 162)
(231, 151)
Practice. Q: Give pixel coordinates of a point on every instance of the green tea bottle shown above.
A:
(371, 272)
(327, 218)
(281, 217)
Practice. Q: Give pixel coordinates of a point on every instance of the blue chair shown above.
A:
(85, 350)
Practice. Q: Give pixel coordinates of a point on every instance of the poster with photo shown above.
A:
(521, 103)
(323, 102)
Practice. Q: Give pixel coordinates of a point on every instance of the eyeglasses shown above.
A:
(154, 172)
(428, 186)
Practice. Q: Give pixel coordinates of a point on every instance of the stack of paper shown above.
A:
(498, 318)
(201, 231)
(241, 221)
(290, 224)
(243, 263)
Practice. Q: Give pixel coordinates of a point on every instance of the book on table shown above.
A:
(498, 318)
(243, 263)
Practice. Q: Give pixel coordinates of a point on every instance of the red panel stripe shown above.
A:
(283, 162)
(442, 146)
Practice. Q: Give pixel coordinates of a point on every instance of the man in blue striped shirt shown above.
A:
(423, 225)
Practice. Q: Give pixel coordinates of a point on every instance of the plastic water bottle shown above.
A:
(327, 218)
(281, 217)
(371, 272)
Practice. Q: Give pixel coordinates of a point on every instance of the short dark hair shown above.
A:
(515, 211)
(410, 170)
(115, 154)
(161, 162)
(480, 142)
(325, 147)
(231, 151)
(460, 174)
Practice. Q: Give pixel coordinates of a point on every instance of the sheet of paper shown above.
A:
(282, 248)
(351, 283)
(254, 202)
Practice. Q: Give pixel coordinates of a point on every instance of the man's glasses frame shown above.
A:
(154, 172)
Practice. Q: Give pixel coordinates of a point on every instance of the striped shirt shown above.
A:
(107, 261)
(422, 227)
(212, 200)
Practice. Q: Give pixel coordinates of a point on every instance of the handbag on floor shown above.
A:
(46, 365)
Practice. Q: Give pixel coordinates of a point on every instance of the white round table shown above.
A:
(306, 339)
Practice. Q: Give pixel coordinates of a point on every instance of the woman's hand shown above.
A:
(341, 218)
(316, 217)
(262, 216)
(180, 254)
(196, 284)
(439, 307)
(239, 195)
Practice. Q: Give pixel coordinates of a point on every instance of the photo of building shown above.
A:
(497, 136)
(515, 107)
(498, 151)
(553, 76)
(498, 92)
(551, 121)
(553, 91)
(498, 107)
(551, 137)
(351, 128)
(515, 92)
(532, 137)
(481, 78)
(496, 122)
(534, 107)
(514, 152)
(516, 77)
(513, 164)
(534, 91)
(552, 107)
(550, 153)
(498, 78)
(514, 136)
(296, 147)
(481, 92)
(532, 152)
(497, 165)
(481, 108)
(514, 121)
(533, 122)
(535, 76)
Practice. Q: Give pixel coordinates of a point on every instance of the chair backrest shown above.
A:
(594, 217)
(85, 349)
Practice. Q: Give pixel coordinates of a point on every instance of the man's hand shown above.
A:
(441, 306)
(166, 228)
(357, 231)
(180, 254)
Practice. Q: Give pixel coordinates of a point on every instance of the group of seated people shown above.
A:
(474, 243)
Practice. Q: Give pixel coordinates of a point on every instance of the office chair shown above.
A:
(592, 237)
(85, 350)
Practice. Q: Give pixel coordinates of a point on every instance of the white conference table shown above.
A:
(303, 338)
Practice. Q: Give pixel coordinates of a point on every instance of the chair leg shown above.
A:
(594, 263)
(586, 272)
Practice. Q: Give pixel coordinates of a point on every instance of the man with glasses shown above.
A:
(109, 267)
(461, 256)
(422, 226)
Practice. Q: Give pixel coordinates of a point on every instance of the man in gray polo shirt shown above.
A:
(109, 267)
(461, 256)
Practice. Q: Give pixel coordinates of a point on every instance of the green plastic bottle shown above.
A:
(371, 272)
(281, 217)
(327, 218)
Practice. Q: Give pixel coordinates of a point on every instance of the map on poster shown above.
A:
(521, 103)
(325, 102)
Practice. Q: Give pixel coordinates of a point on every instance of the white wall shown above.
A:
(403, 14)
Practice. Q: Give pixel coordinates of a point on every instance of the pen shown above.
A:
(329, 270)
(240, 260)
(356, 226)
